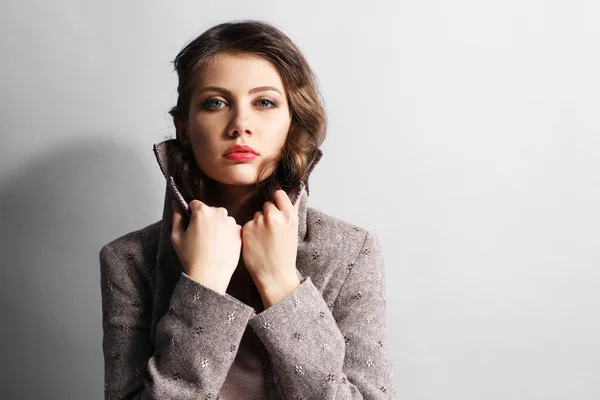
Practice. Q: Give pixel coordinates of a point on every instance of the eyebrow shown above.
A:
(230, 93)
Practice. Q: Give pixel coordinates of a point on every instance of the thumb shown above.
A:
(178, 225)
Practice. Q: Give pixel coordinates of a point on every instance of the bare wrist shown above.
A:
(215, 286)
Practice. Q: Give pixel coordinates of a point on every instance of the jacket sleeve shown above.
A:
(337, 354)
(196, 340)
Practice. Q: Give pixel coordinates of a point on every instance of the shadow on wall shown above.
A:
(55, 216)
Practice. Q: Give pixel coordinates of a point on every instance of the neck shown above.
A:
(241, 201)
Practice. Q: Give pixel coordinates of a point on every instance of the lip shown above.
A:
(240, 156)
(240, 148)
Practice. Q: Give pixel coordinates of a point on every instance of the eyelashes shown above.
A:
(207, 104)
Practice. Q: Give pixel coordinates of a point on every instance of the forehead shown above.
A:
(238, 71)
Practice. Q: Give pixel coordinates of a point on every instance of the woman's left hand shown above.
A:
(269, 248)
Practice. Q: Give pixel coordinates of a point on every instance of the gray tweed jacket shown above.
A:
(166, 336)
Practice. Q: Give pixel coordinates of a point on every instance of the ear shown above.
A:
(181, 132)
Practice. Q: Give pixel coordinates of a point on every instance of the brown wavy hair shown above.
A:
(308, 123)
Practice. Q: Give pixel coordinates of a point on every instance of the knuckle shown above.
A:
(222, 210)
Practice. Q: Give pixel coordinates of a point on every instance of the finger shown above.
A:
(223, 211)
(270, 210)
(196, 203)
(195, 207)
(282, 201)
(178, 225)
(269, 206)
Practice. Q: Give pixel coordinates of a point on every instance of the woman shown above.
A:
(242, 291)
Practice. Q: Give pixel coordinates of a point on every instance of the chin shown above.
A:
(239, 178)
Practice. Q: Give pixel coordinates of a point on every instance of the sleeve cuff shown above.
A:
(190, 295)
(300, 321)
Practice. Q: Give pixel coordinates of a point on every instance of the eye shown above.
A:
(273, 104)
(264, 101)
(207, 103)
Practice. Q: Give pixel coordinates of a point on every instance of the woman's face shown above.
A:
(237, 99)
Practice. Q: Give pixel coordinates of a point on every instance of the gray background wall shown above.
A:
(465, 134)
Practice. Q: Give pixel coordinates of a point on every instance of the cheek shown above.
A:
(281, 132)
(204, 148)
(204, 131)
(207, 123)
(277, 127)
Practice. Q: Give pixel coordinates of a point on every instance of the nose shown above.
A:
(240, 124)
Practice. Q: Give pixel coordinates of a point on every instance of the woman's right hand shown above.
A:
(209, 248)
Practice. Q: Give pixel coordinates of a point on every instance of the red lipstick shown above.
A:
(240, 153)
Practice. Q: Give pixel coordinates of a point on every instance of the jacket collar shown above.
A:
(299, 192)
